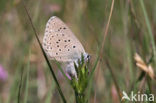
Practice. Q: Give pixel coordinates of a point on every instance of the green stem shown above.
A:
(149, 29)
(80, 98)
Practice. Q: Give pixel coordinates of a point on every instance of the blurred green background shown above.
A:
(128, 33)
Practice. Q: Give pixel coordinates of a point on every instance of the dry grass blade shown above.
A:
(143, 66)
(105, 34)
(107, 27)
(104, 37)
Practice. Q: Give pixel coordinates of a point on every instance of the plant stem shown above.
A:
(80, 98)
(149, 28)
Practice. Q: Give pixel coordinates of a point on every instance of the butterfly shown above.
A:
(60, 44)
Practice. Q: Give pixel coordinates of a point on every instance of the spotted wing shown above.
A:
(60, 43)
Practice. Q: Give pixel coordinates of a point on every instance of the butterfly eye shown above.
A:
(88, 56)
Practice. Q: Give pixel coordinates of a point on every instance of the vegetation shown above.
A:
(111, 31)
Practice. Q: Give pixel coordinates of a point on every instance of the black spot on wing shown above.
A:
(74, 46)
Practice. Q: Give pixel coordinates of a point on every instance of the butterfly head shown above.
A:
(86, 57)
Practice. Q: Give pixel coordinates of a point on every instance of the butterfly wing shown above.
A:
(60, 43)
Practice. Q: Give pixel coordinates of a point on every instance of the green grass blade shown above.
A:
(49, 95)
(19, 88)
(149, 28)
(89, 89)
(93, 69)
(114, 79)
(13, 88)
(45, 56)
(90, 79)
(27, 81)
